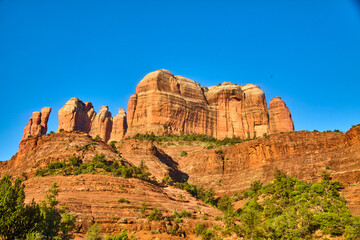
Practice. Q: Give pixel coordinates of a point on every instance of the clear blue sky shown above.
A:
(98, 51)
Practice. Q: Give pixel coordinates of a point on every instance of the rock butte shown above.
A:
(164, 103)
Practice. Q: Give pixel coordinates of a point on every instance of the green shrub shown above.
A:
(112, 144)
(31, 221)
(167, 180)
(155, 215)
(97, 138)
(122, 236)
(183, 154)
(143, 208)
(123, 200)
(56, 165)
(74, 161)
(94, 232)
(199, 229)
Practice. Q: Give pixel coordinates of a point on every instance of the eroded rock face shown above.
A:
(119, 126)
(37, 123)
(165, 103)
(76, 116)
(102, 124)
(239, 110)
(279, 117)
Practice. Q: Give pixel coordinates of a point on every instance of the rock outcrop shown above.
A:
(164, 104)
(101, 125)
(37, 123)
(119, 126)
(76, 116)
(239, 111)
(279, 117)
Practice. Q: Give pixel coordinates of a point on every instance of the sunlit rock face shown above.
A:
(279, 117)
(165, 103)
(37, 123)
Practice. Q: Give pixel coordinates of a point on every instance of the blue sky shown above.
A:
(98, 51)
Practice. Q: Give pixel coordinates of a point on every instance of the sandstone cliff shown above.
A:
(165, 103)
(37, 123)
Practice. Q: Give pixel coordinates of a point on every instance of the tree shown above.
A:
(16, 218)
(31, 221)
(93, 232)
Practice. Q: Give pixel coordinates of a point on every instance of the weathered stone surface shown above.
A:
(76, 116)
(102, 124)
(165, 103)
(239, 110)
(279, 117)
(37, 123)
(119, 126)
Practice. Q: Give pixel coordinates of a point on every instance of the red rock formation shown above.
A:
(102, 124)
(279, 117)
(76, 116)
(239, 110)
(119, 126)
(37, 123)
(165, 103)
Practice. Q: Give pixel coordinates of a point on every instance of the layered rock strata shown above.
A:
(37, 123)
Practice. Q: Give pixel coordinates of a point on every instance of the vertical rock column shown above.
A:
(102, 124)
(279, 117)
(119, 126)
(37, 123)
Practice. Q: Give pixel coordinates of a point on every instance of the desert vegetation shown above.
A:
(98, 165)
(189, 138)
(44, 220)
(286, 208)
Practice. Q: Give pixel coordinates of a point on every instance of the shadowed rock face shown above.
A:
(119, 126)
(279, 117)
(37, 123)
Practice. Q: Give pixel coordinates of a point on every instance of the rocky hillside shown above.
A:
(187, 123)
